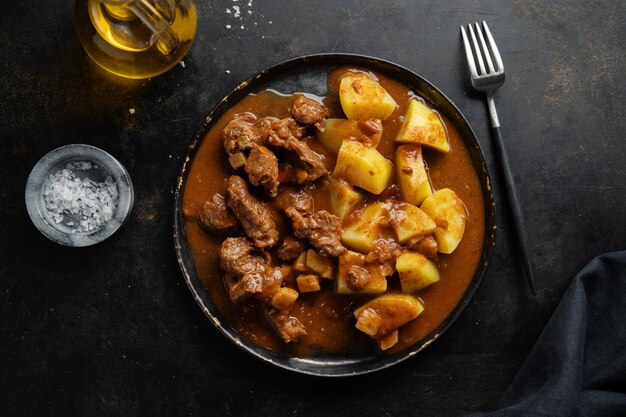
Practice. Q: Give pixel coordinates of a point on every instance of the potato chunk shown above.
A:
(237, 160)
(363, 167)
(384, 314)
(308, 283)
(411, 174)
(409, 222)
(363, 98)
(300, 263)
(360, 235)
(423, 125)
(388, 341)
(284, 298)
(416, 272)
(343, 198)
(377, 283)
(448, 212)
(319, 264)
(369, 322)
(337, 130)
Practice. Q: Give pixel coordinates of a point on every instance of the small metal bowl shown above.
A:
(67, 232)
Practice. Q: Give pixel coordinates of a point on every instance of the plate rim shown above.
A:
(309, 365)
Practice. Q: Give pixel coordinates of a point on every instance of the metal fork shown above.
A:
(487, 81)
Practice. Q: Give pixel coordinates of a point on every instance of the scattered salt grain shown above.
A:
(227, 71)
(89, 203)
(182, 64)
(243, 12)
(131, 111)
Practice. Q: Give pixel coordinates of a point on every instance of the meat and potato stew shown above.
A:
(342, 224)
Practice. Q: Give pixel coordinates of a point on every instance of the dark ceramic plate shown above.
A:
(308, 74)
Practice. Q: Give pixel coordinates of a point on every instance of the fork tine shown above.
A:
(468, 53)
(494, 48)
(484, 45)
(479, 56)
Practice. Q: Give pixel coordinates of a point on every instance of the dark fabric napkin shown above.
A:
(578, 365)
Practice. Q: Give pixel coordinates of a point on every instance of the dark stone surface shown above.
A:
(112, 329)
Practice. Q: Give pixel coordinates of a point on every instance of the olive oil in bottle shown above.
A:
(136, 38)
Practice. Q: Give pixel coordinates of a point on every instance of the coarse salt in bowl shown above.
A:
(78, 195)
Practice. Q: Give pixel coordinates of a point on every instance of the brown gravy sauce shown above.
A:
(328, 317)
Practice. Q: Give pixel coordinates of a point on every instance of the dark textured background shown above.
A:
(113, 330)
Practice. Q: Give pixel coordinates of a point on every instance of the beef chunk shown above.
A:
(252, 214)
(240, 136)
(388, 268)
(312, 162)
(383, 251)
(247, 286)
(273, 278)
(289, 328)
(322, 230)
(299, 199)
(370, 127)
(248, 270)
(262, 169)
(427, 246)
(262, 285)
(309, 112)
(286, 133)
(215, 215)
(239, 257)
(278, 130)
(290, 248)
(357, 278)
(264, 127)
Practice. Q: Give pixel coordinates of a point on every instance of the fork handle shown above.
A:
(518, 218)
